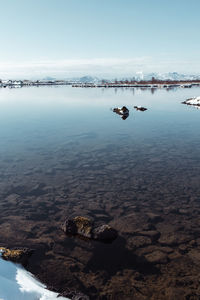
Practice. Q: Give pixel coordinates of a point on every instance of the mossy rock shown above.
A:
(17, 255)
(84, 227)
(78, 225)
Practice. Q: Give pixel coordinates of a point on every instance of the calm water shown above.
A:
(38, 126)
(64, 153)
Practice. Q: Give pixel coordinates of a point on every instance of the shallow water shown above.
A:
(65, 153)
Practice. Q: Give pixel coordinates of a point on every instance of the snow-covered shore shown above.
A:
(195, 101)
(18, 284)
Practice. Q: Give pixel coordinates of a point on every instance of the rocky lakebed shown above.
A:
(155, 250)
(104, 213)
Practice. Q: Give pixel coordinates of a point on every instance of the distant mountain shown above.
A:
(177, 76)
(141, 76)
(165, 76)
(49, 78)
(136, 76)
(89, 79)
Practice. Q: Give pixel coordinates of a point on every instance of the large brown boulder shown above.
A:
(85, 227)
(78, 225)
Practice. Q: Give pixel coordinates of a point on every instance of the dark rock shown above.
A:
(153, 234)
(13, 198)
(138, 241)
(140, 108)
(37, 190)
(157, 257)
(123, 112)
(69, 226)
(154, 218)
(173, 238)
(183, 249)
(104, 232)
(183, 211)
(78, 225)
(83, 226)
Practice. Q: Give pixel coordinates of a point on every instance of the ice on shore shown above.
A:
(18, 284)
(195, 101)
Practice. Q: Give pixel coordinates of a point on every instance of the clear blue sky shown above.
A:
(99, 37)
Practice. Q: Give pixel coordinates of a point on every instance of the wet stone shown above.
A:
(78, 225)
(194, 255)
(12, 198)
(183, 249)
(85, 227)
(154, 218)
(157, 257)
(173, 238)
(104, 233)
(138, 241)
(183, 211)
(153, 234)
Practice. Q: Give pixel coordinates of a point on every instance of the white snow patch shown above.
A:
(193, 101)
(16, 283)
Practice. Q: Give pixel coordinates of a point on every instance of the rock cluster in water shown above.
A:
(84, 227)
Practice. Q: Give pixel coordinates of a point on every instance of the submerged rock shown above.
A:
(154, 218)
(83, 226)
(74, 295)
(157, 257)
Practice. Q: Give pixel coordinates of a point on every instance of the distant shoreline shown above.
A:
(137, 85)
(104, 84)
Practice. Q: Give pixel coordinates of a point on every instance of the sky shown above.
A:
(107, 38)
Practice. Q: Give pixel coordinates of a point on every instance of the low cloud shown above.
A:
(72, 68)
(102, 67)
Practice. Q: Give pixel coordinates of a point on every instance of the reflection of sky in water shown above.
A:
(70, 139)
(48, 117)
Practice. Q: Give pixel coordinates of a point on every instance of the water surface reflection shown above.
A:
(63, 153)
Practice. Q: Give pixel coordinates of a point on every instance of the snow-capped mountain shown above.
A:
(165, 76)
(140, 76)
(89, 79)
